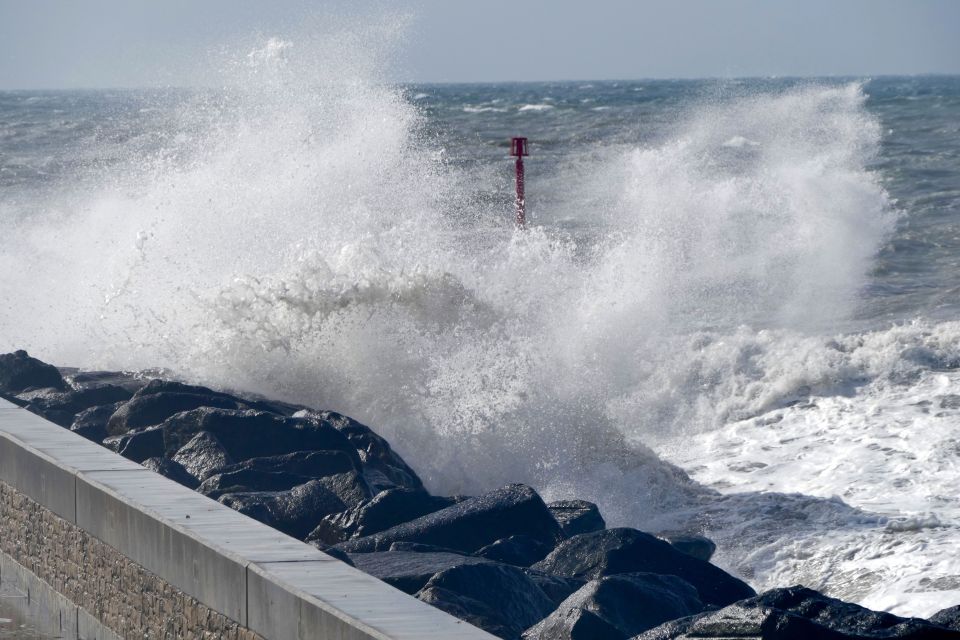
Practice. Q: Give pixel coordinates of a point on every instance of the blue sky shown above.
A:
(111, 43)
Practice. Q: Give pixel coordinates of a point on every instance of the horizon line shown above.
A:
(838, 76)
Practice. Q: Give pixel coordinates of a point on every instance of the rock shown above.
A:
(521, 551)
(92, 423)
(92, 433)
(19, 372)
(159, 385)
(61, 407)
(505, 593)
(797, 613)
(171, 470)
(254, 434)
(154, 408)
(699, 547)
(335, 553)
(423, 548)
(308, 464)
(249, 480)
(613, 551)
(350, 487)
(202, 456)
(279, 473)
(296, 512)
(138, 446)
(91, 396)
(618, 607)
(557, 588)
(383, 467)
(472, 524)
(949, 618)
(475, 612)
(409, 571)
(386, 509)
(81, 380)
(577, 516)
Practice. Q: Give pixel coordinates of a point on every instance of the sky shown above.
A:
(122, 43)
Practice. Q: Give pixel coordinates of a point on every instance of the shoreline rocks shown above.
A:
(504, 560)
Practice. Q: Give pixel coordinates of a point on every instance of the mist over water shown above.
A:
(311, 233)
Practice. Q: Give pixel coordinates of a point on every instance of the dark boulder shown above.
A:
(557, 588)
(521, 551)
(798, 613)
(335, 553)
(618, 607)
(139, 445)
(577, 516)
(202, 456)
(309, 464)
(698, 546)
(613, 551)
(475, 612)
(409, 571)
(19, 372)
(279, 473)
(254, 434)
(949, 617)
(248, 480)
(159, 385)
(172, 470)
(61, 407)
(154, 408)
(506, 592)
(350, 487)
(95, 396)
(416, 547)
(278, 407)
(383, 468)
(92, 423)
(296, 512)
(170, 386)
(82, 380)
(386, 509)
(472, 524)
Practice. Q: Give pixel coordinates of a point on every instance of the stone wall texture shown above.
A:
(120, 594)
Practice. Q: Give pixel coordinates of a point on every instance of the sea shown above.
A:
(733, 311)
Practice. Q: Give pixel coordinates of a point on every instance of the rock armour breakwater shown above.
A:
(504, 560)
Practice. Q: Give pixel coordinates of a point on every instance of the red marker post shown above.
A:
(518, 148)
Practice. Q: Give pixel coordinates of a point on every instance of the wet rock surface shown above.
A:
(613, 551)
(385, 510)
(20, 372)
(474, 523)
(500, 598)
(577, 516)
(520, 550)
(504, 560)
(618, 607)
(794, 613)
(694, 545)
(949, 618)
(409, 571)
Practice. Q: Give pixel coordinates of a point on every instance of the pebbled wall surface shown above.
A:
(103, 586)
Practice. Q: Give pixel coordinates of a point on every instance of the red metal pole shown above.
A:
(521, 213)
(518, 148)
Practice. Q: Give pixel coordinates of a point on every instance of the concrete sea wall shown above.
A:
(110, 549)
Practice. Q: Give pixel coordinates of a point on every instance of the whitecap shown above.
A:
(536, 107)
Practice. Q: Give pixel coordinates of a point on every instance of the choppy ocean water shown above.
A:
(753, 281)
